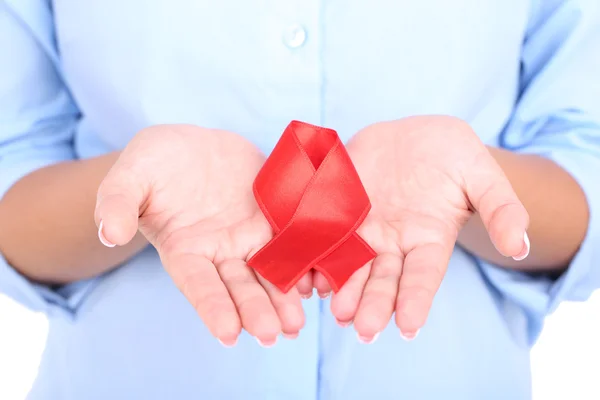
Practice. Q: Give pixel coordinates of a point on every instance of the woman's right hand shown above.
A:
(189, 191)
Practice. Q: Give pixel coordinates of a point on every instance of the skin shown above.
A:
(204, 232)
(48, 232)
(443, 183)
(557, 208)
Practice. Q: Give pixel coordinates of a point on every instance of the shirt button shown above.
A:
(294, 36)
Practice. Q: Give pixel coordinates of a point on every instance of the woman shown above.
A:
(209, 87)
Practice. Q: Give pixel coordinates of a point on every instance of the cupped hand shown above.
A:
(425, 177)
(189, 192)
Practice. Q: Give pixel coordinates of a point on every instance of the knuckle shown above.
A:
(189, 288)
(211, 306)
(420, 294)
(295, 323)
(250, 304)
(237, 275)
(380, 288)
(437, 276)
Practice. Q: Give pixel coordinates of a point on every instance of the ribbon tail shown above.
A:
(295, 250)
(341, 264)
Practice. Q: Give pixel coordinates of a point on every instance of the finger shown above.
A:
(344, 303)
(379, 296)
(254, 306)
(322, 285)
(288, 307)
(422, 273)
(305, 285)
(198, 280)
(118, 203)
(503, 215)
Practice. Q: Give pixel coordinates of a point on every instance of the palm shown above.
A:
(424, 177)
(194, 187)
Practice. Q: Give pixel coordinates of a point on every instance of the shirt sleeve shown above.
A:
(37, 120)
(558, 117)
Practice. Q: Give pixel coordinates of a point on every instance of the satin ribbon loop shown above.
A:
(310, 192)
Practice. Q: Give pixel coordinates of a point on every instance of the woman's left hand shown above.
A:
(425, 177)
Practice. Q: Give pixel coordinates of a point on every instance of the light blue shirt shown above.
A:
(79, 78)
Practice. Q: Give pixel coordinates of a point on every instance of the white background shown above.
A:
(566, 360)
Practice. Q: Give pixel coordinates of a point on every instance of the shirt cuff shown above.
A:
(539, 296)
(61, 301)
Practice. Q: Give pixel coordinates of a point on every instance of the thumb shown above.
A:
(120, 196)
(502, 213)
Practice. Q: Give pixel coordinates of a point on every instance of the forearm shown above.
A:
(557, 208)
(48, 232)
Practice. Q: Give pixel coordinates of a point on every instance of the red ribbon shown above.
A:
(310, 192)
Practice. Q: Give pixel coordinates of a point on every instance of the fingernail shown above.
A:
(324, 295)
(103, 240)
(306, 296)
(290, 336)
(267, 344)
(408, 336)
(367, 340)
(228, 343)
(525, 251)
(343, 324)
